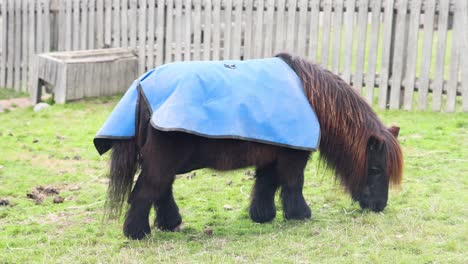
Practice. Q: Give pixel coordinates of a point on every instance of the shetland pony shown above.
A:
(364, 154)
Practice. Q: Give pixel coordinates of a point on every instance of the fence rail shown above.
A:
(414, 51)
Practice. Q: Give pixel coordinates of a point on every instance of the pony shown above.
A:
(364, 154)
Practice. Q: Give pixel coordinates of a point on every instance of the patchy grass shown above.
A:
(425, 221)
(10, 93)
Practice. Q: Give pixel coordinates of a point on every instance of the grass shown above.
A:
(425, 221)
(10, 93)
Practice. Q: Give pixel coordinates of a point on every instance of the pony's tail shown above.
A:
(123, 166)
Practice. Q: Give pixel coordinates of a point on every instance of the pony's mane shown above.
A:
(347, 122)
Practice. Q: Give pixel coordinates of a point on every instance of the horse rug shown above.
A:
(259, 100)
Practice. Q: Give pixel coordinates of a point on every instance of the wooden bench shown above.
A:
(86, 73)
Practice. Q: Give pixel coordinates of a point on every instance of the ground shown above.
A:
(55, 185)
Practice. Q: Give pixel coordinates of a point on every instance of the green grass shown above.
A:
(425, 221)
(10, 93)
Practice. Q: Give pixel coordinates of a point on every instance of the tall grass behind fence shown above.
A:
(399, 46)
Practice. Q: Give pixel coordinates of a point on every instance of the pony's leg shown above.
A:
(136, 224)
(262, 207)
(291, 176)
(167, 213)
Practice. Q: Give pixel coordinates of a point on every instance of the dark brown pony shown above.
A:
(363, 152)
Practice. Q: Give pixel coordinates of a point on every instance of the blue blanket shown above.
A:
(259, 100)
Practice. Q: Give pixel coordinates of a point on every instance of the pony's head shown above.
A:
(363, 152)
(381, 159)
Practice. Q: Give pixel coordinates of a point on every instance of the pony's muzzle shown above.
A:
(374, 205)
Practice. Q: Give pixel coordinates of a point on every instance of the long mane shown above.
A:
(347, 122)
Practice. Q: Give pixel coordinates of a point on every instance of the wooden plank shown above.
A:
(84, 24)
(40, 26)
(150, 32)
(61, 25)
(227, 30)
(207, 30)
(24, 44)
(236, 36)
(142, 37)
(178, 25)
(170, 32)
(197, 30)
(188, 33)
(363, 7)
(455, 56)
(133, 22)
(280, 27)
(92, 24)
(47, 24)
(100, 23)
(124, 23)
(463, 12)
(3, 63)
(116, 24)
(11, 44)
(31, 35)
(68, 25)
(76, 26)
(301, 35)
(258, 33)
(349, 33)
(440, 56)
(160, 32)
(386, 51)
(398, 55)
(248, 46)
(108, 22)
(426, 54)
(291, 33)
(411, 57)
(216, 30)
(314, 30)
(17, 42)
(337, 29)
(269, 28)
(326, 28)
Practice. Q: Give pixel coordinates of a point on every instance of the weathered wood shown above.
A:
(92, 24)
(108, 22)
(440, 56)
(411, 58)
(76, 27)
(197, 30)
(133, 22)
(326, 30)
(207, 30)
(398, 56)
(216, 30)
(291, 26)
(426, 53)
(464, 52)
(142, 37)
(302, 28)
(386, 51)
(248, 46)
(237, 33)
(178, 30)
(160, 32)
(124, 23)
(348, 32)
(258, 32)
(337, 29)
(188, 33)
(84, 24)
(86, 73)
(4, 50)
(116, 23)
(150, 32)
(170, 34)
(363, 6)
(314, 30)
(280, 30)
(40, 26)
(227, 30)
(24, 51)
(455, 57)
(269, 27)
(17, 51)
(46, 32)
(100, 23)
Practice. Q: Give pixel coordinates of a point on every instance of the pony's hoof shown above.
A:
(262, 216)
(136, 232)
(298, 214)
(169, 224)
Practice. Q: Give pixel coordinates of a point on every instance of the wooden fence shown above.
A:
(399, 53)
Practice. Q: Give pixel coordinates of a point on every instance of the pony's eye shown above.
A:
(375, 170)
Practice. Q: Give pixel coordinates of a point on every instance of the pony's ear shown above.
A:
(375, 144)
(394, 130)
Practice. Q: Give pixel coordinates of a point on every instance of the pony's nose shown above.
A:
(377, 206)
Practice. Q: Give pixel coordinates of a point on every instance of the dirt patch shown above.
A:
(4, 202)
(11, 104)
